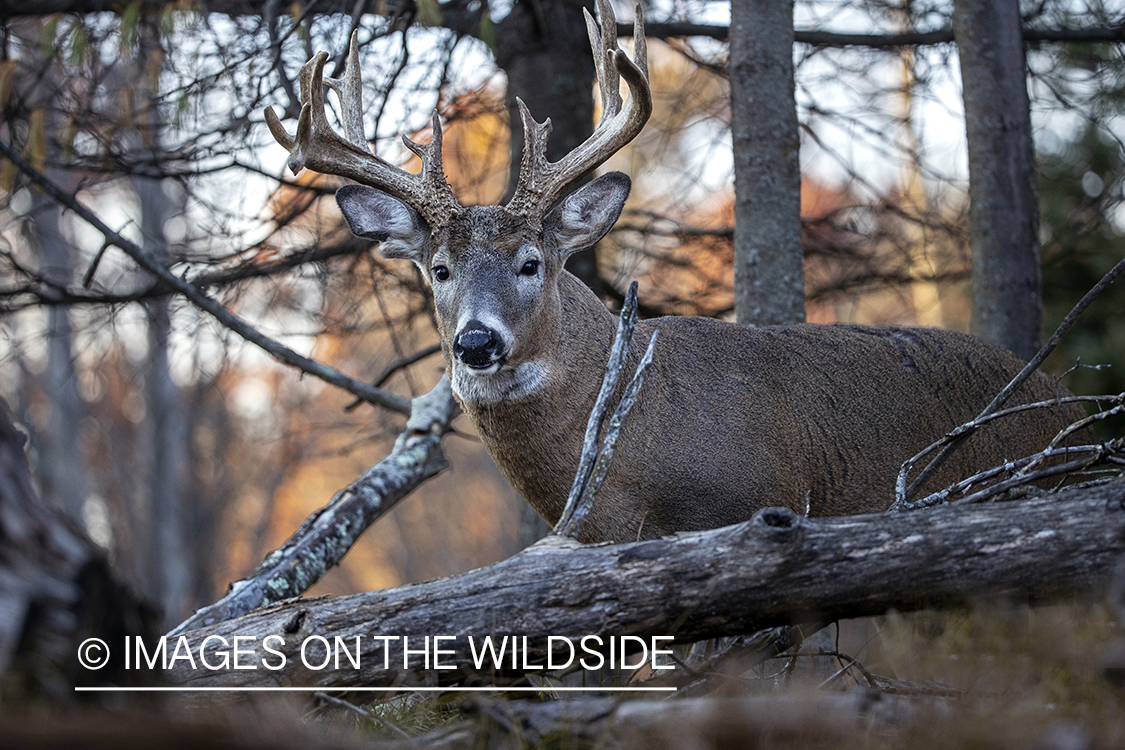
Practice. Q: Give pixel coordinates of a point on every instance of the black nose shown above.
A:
(477, 345)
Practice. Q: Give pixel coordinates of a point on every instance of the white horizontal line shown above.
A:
(545, 689)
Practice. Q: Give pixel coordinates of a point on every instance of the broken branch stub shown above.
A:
(595, 461)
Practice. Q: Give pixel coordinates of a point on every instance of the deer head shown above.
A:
(494, 270)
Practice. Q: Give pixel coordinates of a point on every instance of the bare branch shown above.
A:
(397, 365)
(816, 38)
(1097, 453)
(466, 20)
(572, 526)
(1022, 480)
(955, 439)
(282, 353)
(1081, 425)
(327, 535)
(594, 463)
(40, 291)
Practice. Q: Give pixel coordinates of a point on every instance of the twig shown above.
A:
(967, 429)
(395, 366)
(955, 439)
(1080, 424)
(852, 662)
(1079, 366)
(594, 464)
(93, 269)
(1105, 450)
(734, 656)
(327, 535)
(365, 713)
(936, 498)
(1024, 465)
(278, 351)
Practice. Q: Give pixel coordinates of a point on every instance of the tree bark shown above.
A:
(1003, 196)
(769, 278)
(776, 569)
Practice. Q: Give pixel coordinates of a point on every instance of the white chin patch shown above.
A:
(497, 383)
(492, 369)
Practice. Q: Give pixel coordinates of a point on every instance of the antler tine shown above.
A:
(319, 147)
(535, 170)
(600, 47)
(542, 182)
(437, 198)
(349, 88)
(640, 43)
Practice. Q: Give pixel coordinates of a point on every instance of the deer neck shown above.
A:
(536, 441)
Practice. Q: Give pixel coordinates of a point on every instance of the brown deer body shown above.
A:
(731, 419)
(817, 418)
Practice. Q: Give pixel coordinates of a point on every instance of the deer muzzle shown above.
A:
(478, 346)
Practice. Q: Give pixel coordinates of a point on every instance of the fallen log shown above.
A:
(775, 569)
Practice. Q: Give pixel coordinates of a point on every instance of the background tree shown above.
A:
(1003, 200)
(769, 274)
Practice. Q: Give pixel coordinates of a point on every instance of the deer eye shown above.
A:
(441, 273)
(530, 268)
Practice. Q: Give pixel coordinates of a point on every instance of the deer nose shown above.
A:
(477, 345)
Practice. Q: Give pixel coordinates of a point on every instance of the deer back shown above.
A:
(817, 418)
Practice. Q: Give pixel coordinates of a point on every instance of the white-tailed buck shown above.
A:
(731, 418)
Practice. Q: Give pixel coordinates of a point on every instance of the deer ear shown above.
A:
(373, 214)
(587, 214)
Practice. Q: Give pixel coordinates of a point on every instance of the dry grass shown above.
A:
(1024, 677)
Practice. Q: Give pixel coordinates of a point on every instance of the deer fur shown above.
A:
(817, 418)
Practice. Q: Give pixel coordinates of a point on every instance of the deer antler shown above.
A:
(542, 182)
(318, 147)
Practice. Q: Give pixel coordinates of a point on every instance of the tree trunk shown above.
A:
(769, 277)
(62, 468)
(166, 555)
(775, 569)
(1004, 198)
